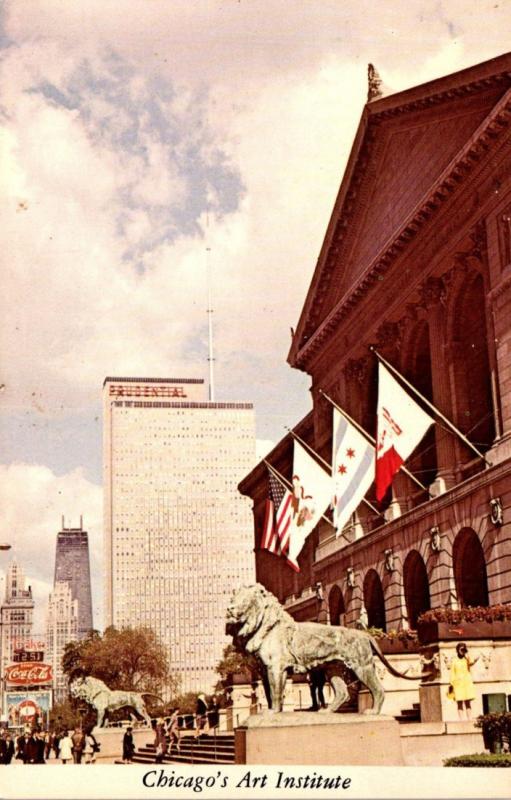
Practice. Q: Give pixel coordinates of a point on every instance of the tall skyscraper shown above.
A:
(16, 615)
(177, 533)
(61, 627)
(72, 566)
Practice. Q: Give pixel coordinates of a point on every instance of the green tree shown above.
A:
(64, 716)
(130, 658)
(233, 662)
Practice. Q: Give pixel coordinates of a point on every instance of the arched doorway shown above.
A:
(469, 569)
(416, 586)
(374, 600)
(336, 606)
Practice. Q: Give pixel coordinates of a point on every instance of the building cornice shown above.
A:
(110, 379)
(416, 515)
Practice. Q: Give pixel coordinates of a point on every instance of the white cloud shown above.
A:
(32, 502)
(98, 187)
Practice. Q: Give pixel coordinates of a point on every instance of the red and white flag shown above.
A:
(401, 426)
(278, 515)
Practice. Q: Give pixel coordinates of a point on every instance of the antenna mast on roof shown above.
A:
(211, 358)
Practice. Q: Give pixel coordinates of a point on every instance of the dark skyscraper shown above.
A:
(72, 566)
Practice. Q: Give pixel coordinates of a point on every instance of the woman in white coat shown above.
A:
(65, 749)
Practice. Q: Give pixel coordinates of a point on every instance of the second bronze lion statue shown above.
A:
(259, 625)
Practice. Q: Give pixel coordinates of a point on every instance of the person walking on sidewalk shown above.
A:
(78, 738)
(160, 742)
(173, 731)
(66, 748)
(128, 746)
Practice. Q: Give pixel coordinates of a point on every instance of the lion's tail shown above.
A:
(152, 694)
(376, 649)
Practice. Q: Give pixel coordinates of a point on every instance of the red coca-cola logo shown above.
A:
(29, 674)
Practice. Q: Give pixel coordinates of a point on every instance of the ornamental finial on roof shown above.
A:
(373, 83)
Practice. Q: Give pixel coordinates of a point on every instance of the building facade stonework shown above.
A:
(178, 536)
(17, 611)
(416, 263)
(62, 627)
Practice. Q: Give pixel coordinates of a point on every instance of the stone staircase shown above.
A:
(410, 714)
(207, 749)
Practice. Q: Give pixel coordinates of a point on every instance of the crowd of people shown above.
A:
(37, 746)
(168, 731)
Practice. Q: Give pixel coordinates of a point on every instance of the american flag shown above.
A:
(277, 519)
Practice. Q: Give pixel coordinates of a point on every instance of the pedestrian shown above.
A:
(253, 697)
(128, 746)
(78, 745)
(90, 748)
(3, 747)
(31, 749)
(66, 748)
(214, 713)
(317, 680)
(160, 742)
(21, 745)
(173, 731)
(461, 686)
(40, 747)
(8, 749)
(48, 738)
(201, 715)
(55, 743)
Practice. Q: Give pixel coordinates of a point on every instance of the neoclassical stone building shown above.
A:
(416, 262)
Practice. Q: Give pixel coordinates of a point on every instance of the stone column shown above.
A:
(433, 299)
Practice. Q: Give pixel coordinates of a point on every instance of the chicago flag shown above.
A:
(401, 425)
(353, 469)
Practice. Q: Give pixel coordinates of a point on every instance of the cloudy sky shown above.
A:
(136, 134)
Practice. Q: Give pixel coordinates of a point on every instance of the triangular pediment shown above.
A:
(404, 145)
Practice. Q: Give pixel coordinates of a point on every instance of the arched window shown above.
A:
(416, 586)
(336, 606)
(469, 569)
(471, 365)
(374, 600)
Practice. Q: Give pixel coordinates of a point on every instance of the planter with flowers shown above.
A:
(394, 642)
(477, 622)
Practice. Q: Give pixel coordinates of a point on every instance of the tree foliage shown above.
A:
(233, 662)
(64, 716)
(131, 658)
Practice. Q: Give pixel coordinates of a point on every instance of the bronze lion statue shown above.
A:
(96, 693)
(259, 625)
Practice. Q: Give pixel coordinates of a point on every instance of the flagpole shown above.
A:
(289, 486)
(430, 405)
(329, 466)
(372, 440)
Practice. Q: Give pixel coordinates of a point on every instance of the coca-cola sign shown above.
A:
(29, 674)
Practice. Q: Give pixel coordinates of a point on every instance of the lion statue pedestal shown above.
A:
(262, 628)
(322, 738)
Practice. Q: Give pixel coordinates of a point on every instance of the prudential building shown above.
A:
(178, 536)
